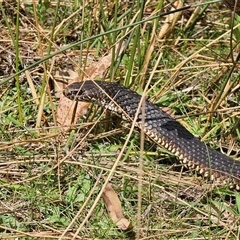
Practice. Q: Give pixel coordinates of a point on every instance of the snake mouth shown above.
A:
(67, 92)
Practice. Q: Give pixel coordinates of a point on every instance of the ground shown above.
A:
(51, 177)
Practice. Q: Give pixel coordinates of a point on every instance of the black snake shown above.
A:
(160, 127)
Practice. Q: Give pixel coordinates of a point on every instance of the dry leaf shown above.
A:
(115, 209)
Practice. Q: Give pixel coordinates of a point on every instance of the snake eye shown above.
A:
(78, 92)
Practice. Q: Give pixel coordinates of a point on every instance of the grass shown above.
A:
(50, 180)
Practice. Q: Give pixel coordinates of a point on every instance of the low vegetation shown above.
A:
(50, 177)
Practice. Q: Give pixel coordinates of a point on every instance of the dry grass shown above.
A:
(50, 179)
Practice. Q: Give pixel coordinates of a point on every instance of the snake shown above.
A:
(160, 127)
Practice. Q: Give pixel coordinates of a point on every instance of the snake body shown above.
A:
(160, 127)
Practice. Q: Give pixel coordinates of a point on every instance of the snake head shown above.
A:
(73, 91)
(86, 91)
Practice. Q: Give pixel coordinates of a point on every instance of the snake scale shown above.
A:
(160, 127)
